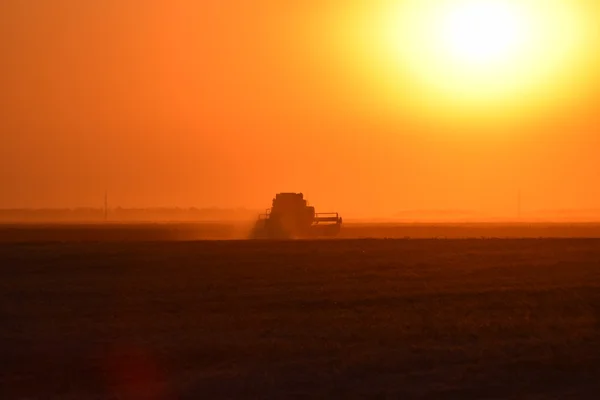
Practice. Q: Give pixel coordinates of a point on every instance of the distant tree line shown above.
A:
(119, 214)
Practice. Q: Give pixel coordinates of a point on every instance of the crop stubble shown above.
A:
(338, 318)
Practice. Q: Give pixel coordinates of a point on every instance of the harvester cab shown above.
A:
(290, 216)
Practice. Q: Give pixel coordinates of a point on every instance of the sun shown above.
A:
(469, 54)
(483, 33)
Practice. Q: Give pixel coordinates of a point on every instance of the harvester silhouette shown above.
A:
(291, 217)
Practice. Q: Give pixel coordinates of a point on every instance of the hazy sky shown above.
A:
(224, 103)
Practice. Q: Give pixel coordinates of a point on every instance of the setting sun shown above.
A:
(478, 53)
(483, 33)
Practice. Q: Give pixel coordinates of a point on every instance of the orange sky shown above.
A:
(187, 103)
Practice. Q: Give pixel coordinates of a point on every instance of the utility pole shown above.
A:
(105, 205)
(519, 201)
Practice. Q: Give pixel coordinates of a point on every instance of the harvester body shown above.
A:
(292, 217)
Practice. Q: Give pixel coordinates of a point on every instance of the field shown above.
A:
(181, 231)
(84, 318)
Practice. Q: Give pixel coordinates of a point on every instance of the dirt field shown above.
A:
(181, 231)
(423, 319)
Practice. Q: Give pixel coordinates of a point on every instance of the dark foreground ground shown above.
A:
(422, 319)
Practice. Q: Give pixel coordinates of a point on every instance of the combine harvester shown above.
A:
(290, 217)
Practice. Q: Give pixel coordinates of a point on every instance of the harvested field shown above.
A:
(179, 231)
(423, 319)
